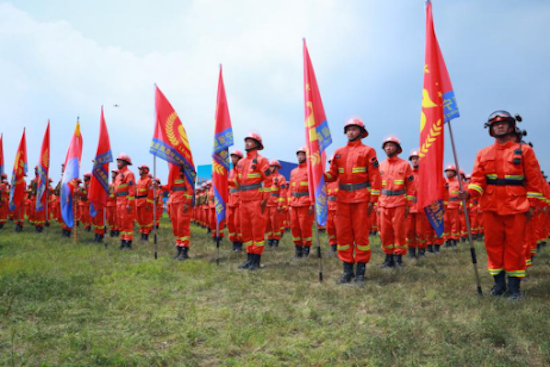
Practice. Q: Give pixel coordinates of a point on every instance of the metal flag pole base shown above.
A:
(217, 243)
(465, 208)
(155, 206)
(319, 251)
(105, 227)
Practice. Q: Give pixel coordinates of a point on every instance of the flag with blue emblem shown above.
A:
(318, 138)
(43, 168)
(71, 173)
(17, 191)
(223, 139)
(98, 192)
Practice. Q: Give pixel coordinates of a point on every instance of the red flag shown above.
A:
(318, 138)
(223, 139)
(170, 139)
(71, 172)
(430, 178)
(17, 191)
(98, 192)
(43, 170)
(2, 154)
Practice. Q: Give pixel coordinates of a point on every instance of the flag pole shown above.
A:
(217, 240)
(319, 251)
(465, 208)
(75, 224)
(155, 205)
(105, 225)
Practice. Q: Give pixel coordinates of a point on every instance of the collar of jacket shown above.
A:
(252, 153)
(302, 165)
(505, 145)
(355, 143)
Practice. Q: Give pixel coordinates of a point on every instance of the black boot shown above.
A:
(430, 248)
(436, 249)
(47, 224)
(513, 286)
(36, 229)
(275, 243)
(306, 251)
(255, 265)
(88, 229)
(146, 236)
(399, 261)
(500, 284)
(347, 276)
(239, 246)
(235, 247)
(247, 263)
(334, 248)
(455, 243)
(1, 225)
(421, 252)
(95, 237)
(122, 245)
(298, 252)
(178, 253)
(129, 245)
(412, 253)
(388, 262)
(112, 233)
(360, 273)
(448, 243)
(99, 238)
(270, 243)
(185, 253)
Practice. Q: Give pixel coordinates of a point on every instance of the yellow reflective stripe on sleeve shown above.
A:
(491, 176)
(342, 247)
(329, 175)
(340, 170)
(363, 248)
(375, 192)
(409, 197)
(121, 186)
(398, 182)
(304, 183)
(475, 187)
(358, 169)
(254, 175)
(532, 194)
(130, 197)
(389, 247)
(384, 183)
(179, 181)
(259, 243)
(514, 177)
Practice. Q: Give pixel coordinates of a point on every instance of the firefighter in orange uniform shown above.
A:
(452, 219)
(332, 194)
(507, 177)
(233, 213)
(416, 221)
(125, 192)
(144, 202)
(213, 216)
(39, 216)
(276, 188)
(355, 166)
(4, 199)
(159, 202)
(181, 203)
(111, 206)
(252, 172)
(301, 207)
(394, 203)
(84, 204)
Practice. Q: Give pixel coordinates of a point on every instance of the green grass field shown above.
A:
(79, 304)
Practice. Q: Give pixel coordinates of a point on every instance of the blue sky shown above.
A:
(63, 59)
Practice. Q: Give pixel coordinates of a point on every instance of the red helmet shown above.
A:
(450, 167)
(274, 162)
(414, 153)
(468, 176)
(237, 152)
(301, 149)
(255, 136)
(87, 175)
(114, 170)
(157, 180)
(393, 139)
(462, 173)
(354, 121)
(501, 115)
(4, 176)
(124, 157)
(144, 167)
(204, 184)
(209, 183)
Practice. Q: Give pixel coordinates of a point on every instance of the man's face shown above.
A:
(501, 128)
(234, 160)
(415, 161)
(272, 169)
(142, 171)
(113, 175)
(390, 149)
(120, 164)
(450, 174)
(353, 132)
(250, 144)
(301, 157)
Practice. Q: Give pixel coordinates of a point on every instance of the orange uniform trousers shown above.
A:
(145, 218)
(416, 230)
(181, 224)
(301, 225)
(253, 226)
(111, 218)
(98, 222)
(234, 224)
(125, 220)
(331, 228)
(393, 230)
(352, 226)
(212, 223)
(505, 243)
(451, 224)
(273, 225)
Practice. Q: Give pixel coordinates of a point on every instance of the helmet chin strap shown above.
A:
(358, 137)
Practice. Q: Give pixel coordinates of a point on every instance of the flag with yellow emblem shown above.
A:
(17, 191)
(43, 169)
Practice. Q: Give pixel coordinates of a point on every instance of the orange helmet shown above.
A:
(301, 149)
(450, 167)
(275, 162)
(501, 115)
(255, 136)
(4, 176)
(203, 184)
(462, 173)
(414, 153)
(468, 176)
(237, 152)
(144, 167)
(124, 157)
(114, 170)
(354, 121)
(393, 139)
(87, 175)
(157, 180)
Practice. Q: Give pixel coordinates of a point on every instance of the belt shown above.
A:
(233, 191)
(504, 182)
(250, 187)
(393, 192)
(300, 194)
(275, 194)
(179, 188)
(454, 199)
(124, 193)
(353, 187)
(331, 198)
(141, 196)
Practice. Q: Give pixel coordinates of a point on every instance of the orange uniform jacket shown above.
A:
(252, 171)
(298, 192)
(276, 189)
(356, 168)
(397, 183)
(144, 191)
